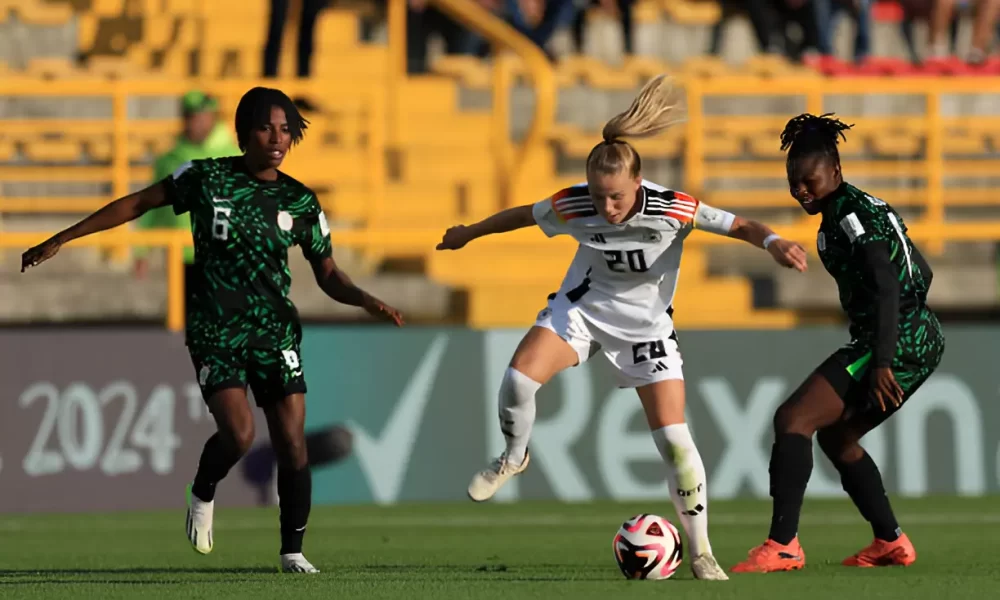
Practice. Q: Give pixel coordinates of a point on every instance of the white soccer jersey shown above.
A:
(623, 277)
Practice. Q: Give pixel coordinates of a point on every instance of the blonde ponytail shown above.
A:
(658, 106)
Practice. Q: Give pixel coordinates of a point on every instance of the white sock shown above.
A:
(686, 474)
(517, 412)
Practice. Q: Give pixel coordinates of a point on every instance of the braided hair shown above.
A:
(809, 135)
(254, 110)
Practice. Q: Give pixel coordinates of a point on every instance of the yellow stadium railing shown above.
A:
(424, 240)
(931, 123)
(123, 175)
(510, 160)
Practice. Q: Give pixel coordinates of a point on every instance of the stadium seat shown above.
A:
(891, 144)
(470, 71)
(335, 30)
(44, 14)
(693, 12)
(7, 149)
(643, 68)
(704, 66)
(52, 151)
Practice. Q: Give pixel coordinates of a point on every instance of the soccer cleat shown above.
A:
(881, 553)
(705, 567)
(199, 523)
(296, 563)
(772, 556)
(486, 482)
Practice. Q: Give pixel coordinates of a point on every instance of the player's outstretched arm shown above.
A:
(502, 222)
(785, 252)
(110, 216)
(338, 286)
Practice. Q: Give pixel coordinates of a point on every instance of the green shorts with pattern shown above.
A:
(918, 353)
(270, 373)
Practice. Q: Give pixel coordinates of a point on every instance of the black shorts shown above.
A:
(272, 373)
(849, 371)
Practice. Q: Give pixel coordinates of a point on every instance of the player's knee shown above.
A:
(839, 449)
(241, 437)
(789, 418)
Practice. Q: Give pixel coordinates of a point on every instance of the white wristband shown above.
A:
(770, 238)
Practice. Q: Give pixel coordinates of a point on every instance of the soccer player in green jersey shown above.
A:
(896, 344)
(242, 330)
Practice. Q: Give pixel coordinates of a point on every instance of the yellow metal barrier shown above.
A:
(122, 175)
(816, 90)
(422, 241)
(480, 20)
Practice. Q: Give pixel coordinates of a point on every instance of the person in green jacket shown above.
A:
(203, 137)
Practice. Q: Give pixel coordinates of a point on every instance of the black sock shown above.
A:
(216, 459)
(790, 468)
(863, 483)
(294, 502)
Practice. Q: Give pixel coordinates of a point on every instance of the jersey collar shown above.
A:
(241, 164)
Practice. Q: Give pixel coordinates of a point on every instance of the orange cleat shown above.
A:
(884, 554)
(772, 556)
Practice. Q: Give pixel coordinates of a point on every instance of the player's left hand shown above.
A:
(788, 254)
(40, 253)
(885, 389)
(382, 311)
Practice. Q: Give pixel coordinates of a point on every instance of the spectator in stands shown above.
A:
(203, 136)
(622, 9)
(984, 27)
(771, 20)
(763, 19)
(422, 21)
(307, 30)
(538, 20)
(827, 13)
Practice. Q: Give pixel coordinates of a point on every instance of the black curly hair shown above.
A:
(809, 135)
(254, 110)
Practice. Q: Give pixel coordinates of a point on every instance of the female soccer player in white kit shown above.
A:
(617, 297)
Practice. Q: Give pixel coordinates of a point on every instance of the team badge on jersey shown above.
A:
(852, 226)
(285, 221)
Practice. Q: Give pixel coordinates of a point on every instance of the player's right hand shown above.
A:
(788, 254)
(382, 311)
(456, 237)
(40, 253)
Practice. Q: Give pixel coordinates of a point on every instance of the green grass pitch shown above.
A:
(466, 551)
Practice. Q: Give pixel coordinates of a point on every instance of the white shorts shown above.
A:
(637, 364)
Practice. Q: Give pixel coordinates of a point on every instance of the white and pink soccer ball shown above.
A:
(648, 547)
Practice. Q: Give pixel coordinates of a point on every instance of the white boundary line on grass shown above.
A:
(88, 523)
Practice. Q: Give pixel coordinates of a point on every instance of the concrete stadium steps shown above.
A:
(77, 286)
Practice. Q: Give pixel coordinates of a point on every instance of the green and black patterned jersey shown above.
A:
(243, 228)
(853, 219)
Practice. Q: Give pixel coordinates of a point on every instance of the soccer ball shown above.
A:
(647, 547)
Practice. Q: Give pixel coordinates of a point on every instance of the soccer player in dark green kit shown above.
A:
(242, 330)
(896, 344)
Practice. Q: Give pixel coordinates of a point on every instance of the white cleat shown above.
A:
(486, 482)
(199, 523)
(296, 563)
(704, 566)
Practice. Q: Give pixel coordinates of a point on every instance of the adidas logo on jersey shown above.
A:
(659, 366)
